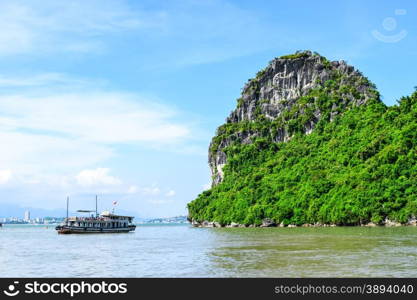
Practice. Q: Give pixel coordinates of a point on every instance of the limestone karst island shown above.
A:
(310, 143)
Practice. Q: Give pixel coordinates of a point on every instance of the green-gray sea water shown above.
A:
(183, 251)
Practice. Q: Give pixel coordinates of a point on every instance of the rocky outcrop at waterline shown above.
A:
(267, 223)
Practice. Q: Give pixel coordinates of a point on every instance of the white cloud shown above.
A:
(52, 133)
(170, 193)
(48, 79)
(132, 189)
(75, 26)
(150, 191)
(195, 32)
(96, 177)
(5, 176)
(160, 201)
(30, 154)
(93, 116)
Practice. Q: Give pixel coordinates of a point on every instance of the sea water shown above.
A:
(184, 251)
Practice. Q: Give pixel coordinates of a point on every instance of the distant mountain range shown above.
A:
(168, 220)
(13, 210)
(8, 210)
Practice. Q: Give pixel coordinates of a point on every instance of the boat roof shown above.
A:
(108, 214)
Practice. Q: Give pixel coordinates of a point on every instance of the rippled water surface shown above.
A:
(183, 251)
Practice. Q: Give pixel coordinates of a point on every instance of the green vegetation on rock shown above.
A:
(358, 165)
(299, 54)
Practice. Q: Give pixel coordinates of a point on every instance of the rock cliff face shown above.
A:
(311, 144)
(288, 89)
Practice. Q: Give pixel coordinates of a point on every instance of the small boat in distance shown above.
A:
(105, 222)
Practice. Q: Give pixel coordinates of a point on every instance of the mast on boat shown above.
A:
(67, 208)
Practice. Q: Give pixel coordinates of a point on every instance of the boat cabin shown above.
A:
(104, 220)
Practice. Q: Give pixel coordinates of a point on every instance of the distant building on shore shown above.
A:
(27, 216)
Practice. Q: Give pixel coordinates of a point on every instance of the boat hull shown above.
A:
(83, 230)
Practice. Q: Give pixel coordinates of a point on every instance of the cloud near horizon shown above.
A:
(99, 176)
(54, 133)
(5, 176)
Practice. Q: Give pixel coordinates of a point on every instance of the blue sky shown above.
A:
(121, 98)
